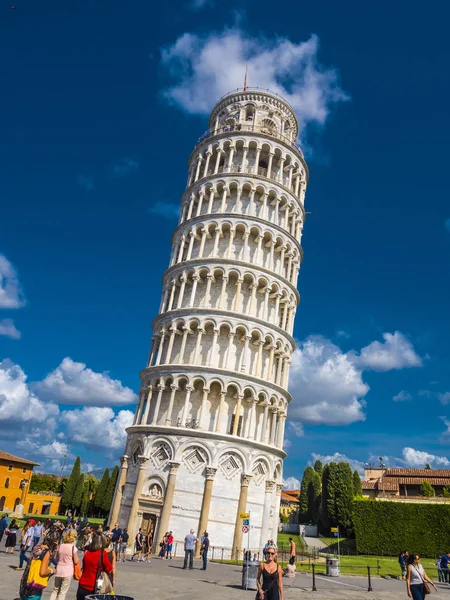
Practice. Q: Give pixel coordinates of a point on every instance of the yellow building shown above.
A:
(15, 478)
(290, 502)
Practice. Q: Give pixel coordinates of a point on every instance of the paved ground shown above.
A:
(165, 580)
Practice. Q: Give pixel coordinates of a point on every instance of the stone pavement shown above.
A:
(165, 580)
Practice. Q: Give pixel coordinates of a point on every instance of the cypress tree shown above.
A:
(357, 487)
(314, 489)
(344, 496)
(71, 485)
(101, 491)
(318, 468)
(78, 494)
(306, 479)
(85, 499)
(109, 494)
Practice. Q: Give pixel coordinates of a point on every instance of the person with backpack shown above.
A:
(38, 570)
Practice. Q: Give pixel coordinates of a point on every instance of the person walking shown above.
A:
(26, 543)
(445, 559)
(189, 547)
(3, 525)
(269, 580)
(439, 570)
(163, 546)
(416, 577)
(169, 545)
(38, 529)
(38, 570)
(402, 563)
(138, 543)
(116, 535)
(94, 557)
(11, 540)
(66, 558)
(124, 544)
(149, 541)
(292, 551)
(204, 550)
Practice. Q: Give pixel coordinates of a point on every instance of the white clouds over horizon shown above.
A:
(204, 68)
(291, 483)
(327, 385)
(74, 383)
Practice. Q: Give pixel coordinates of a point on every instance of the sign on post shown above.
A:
(246, 522)
(245, 529)
(244, 515)
(334, 529)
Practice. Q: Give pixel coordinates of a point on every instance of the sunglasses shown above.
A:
(273, 553)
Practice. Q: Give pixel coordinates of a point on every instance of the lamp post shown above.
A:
(382, 466)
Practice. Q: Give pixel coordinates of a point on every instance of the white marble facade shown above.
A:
(207, 438)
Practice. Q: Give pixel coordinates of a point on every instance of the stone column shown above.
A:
(220, 411)
(168, 501)
(115, 508)
(265, 526)
(206, 503)
(147, 407)
(158, 404)
(276, 516)
(242, 506)
(201, 417)
(237, 414)
(171, 401)
(137, 492)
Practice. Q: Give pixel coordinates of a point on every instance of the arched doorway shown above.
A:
(16, 503)
(2, 503)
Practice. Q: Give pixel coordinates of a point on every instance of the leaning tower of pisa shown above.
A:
(207, 439)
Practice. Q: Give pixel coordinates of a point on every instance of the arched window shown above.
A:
(7, 482)
(249, 112)
(269, 126)
(16, 503)
(2, 503)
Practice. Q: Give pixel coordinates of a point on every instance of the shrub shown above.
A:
(384, 527)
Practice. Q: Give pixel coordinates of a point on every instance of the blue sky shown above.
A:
(101, 104)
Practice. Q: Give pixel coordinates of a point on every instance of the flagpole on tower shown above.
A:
(245, 78)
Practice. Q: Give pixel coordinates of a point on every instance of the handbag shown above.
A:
(425, 584)
(76, 567)
(103, 583)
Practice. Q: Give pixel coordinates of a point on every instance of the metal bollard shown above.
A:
(314, 589)
(369, 589)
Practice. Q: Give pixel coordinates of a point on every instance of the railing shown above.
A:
(252, 128)
(255, 89)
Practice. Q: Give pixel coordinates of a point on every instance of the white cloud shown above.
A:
(17, 402)
(444, 398)
(11, 295)
(396, 352)
(8, 328)
(296, 428)
(417, 458)
(291, 483)
(206, 68)
(99, 429)
(338, 457)
(73, 383)
(167, 210)
(326, 386)
(402, 396)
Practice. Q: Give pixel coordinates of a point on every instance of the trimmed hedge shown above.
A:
(384, 527)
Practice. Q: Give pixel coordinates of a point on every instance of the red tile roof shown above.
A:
(289, 497)
(427, 473)
(12, 458)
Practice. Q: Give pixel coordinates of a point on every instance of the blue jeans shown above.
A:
(205, 559)
(418, 591)
(188, 554)
(23, 556)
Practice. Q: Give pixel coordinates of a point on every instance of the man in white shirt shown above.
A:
(189, 547)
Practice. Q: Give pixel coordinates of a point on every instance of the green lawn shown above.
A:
(283, 541)
(92, 520)
(384, 566)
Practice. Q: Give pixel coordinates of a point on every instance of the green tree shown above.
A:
(318, 468)
(357, 487)
(85, 498)
(101, 491)
(78, 494)
(446, 492)
(427, 490)
(328, 517)
(309, 495)
(69, 490)
(428, 466)
(109, 494)
(344, 497)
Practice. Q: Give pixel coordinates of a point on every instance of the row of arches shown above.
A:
(249, 155)
(236, 197)
(221, 345)
(229, 289)
(238, 242)
(231, 409)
